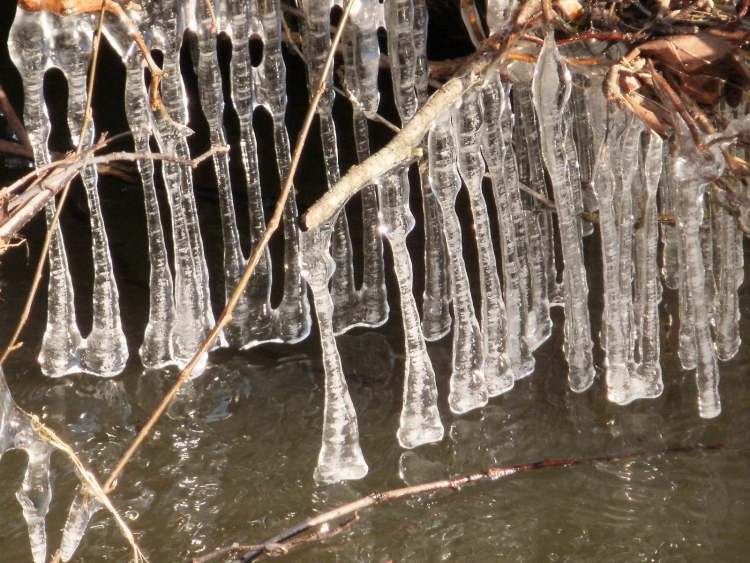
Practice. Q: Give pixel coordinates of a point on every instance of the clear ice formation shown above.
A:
(498, 153)
(35, 494)
(406, 22)
(468, 387)
(68, 47)
(467, 122)
(361, 66)
(694, 170)
(368, 305)
(551, 92)
(340, 455)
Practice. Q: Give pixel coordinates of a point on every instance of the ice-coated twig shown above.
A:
(467, 121)
(468, 388)
(551, 91)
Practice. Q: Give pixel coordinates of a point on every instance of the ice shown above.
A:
(156, 350)
(406, 22)
(512, 219)
(361, 64)
(35, 494)
(106, 351)
(498, 13)
(468, 387)
(316, 41)
(419, 422)
(531, 173)
(212, 104)
(693, 170)
(467, 121)
(63, 350)
(551, 91)
(59, 354)
(648, 382)
(292, 316)
(340, 455)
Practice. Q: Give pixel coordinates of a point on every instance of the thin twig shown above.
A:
(322, 521)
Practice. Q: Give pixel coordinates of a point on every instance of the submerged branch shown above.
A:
(282, 542)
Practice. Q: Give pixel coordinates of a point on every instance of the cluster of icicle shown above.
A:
(540, 118)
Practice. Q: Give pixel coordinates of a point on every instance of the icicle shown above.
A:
(156, 350)
(212, 104)
(670, 269)
(511, 217)
(192, 306)
(35, 494)
(648, 383)
(420, 420)
(105, 351)
(340, 454)
(729, 259)
(259, 313)
(408, 73)
(61, 343)
(468, 388)
(293, 313)
(467, 119)
(81, 511)
(316, 40)
(531, 173)
(693, 170)
(550, 75)
(361, 63)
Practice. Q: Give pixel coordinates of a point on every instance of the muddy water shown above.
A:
(234, 457)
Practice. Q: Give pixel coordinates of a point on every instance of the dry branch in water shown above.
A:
(321, 524)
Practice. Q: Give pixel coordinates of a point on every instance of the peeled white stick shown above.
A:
(551, 88)
(468, 387)
(467, 121)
